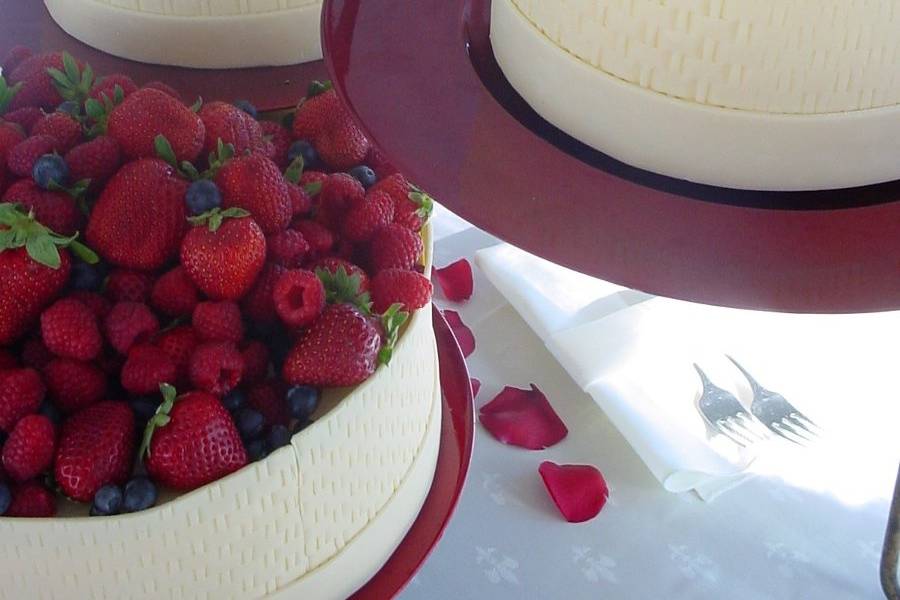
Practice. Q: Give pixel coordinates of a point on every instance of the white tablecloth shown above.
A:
(816, 537)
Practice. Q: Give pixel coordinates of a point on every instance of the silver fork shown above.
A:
(776, 413)
(724, 413)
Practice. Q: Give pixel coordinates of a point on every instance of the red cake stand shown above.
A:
(422, 80)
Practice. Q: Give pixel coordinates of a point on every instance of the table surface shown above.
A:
(766, 539)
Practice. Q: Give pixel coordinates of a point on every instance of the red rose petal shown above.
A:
(476, 385)
(463, 334)
(456, 280)
(579, 491)
(523, 418)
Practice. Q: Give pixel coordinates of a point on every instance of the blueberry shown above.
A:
(363, 174)
(50, 168)
(86, 277)
(70, 107)
(5, 498)
(234, 400)
(107, 501)
(306, 150)
(144, 408)
(140, 494)
(256, 450)
(202, 196)
(49, 410)
(279, 436)
(302, 401)
(247, 107)
(249, 423)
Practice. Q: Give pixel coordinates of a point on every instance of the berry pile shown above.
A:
(179, 283)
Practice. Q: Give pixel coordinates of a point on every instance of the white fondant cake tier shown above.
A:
(216, 34)
(314, 520)
(768, 95)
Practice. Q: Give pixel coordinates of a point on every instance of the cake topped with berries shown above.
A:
(214, 324)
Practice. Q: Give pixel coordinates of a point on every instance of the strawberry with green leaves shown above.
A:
(323, 121)
(34, 268)
(48, 79)
(57, 209)
(229, 124)
(146, 114)
(223, 253)
(7, 93)
(191, 441)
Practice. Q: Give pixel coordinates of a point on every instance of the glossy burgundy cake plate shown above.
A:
(457, 435)
(28, 23)
(421, 78)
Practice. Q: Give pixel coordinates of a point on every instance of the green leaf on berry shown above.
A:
(190, 170)
(344, 288)
(72, 83)
(197, 105)
(160, 419)
(214, 218)
(318, 87)
(41, 243)
(76, 191)
(392, 320)
(423, 201)
(295, 170)
(94, 109)
(164, 150)
(7, 94)
(313, 189)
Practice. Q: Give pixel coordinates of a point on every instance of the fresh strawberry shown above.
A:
(139, 219)
(218, 322)
(259, 303)
(38, 88)
(340, 349)
(174, 294)
(333, 265)
(223, 253)
(29, 450)
(96, 160)
(409, 288)
(74, 385)
(125, 285)
(99, 305)
(395, 247)
(148, 113)
(107, 87)
(301, 203)
(35, 354)
(165, 89)
(34, 268)
(129, 323)
(412, 207)
(8, 360)
(318, 112)
(299, 297)
(146, 368)
(57, 210)
(339, 193)
(364, 219)
(256, 184)
(216, 367)
(312, 180)
(31, 500)
(16, 55)
(179, 343)
(343, 147)
(191, 441)
(319, 237)
(21, 158)
(21, 393)
(24, 117)
(268, 399)
(61, 126)
(69, 329)
(10, 136)
(280, 139)
(95, 448)
(287, 248)
(256, 362)
(231, 125)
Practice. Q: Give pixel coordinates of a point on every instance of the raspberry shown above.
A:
(129, 323)
(31, 499)
(28, 451)
(280, 139)
(268, 399)
(179, 344)
(146, 368)
(299, 297)
(301, 203)
(14, 58)
(174, 294)
(97, 160)
(107, 86)
(218, 322)
(7, 360)
(256, 362)
(319, 237)
(339, 192)
(364, 219)
(69, 329)
(21, 393)
(25, 117)
(35, 354)
(396, 186)
(61, 126)
(395, 247)
(258, 304)
(287, 248)
(74, 385)
(216, 367)
(332, 264)
(99, 305)
(124, 285)
(22, 156)
(409, 288)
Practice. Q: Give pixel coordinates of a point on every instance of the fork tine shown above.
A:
(731, 426)
(808, 423)
(732, 436)
(789, 434)
(798, 431)
(796, 420)
(753, 426)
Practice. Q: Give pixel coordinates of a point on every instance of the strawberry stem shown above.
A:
(343, 288)
(318, 87)
(295, 170)
(160, 419)
(42, 244)
(392, 320)
(7, 94)
(72, 83)
(214, 218)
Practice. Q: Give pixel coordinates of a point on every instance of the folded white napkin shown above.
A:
(633, 354)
